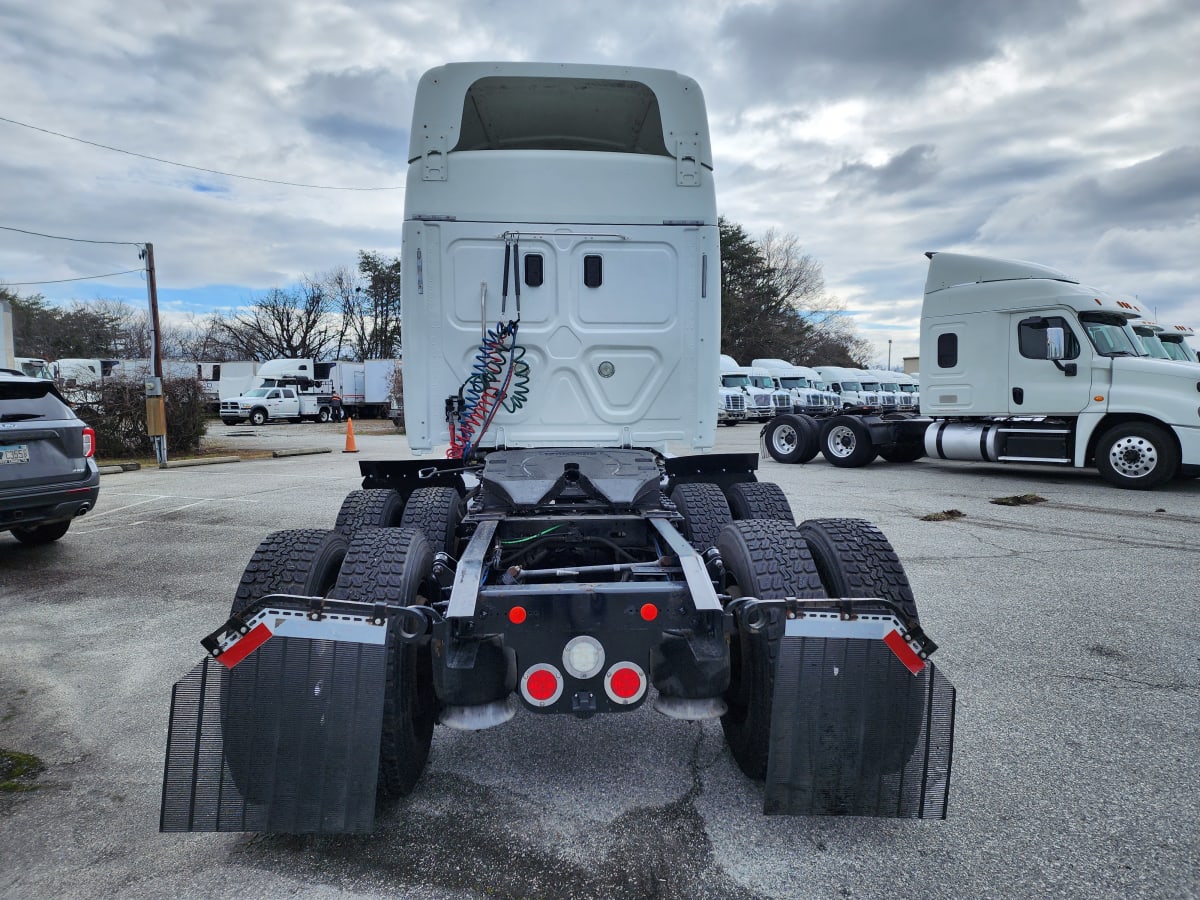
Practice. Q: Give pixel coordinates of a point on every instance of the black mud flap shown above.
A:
(861, 724)
(280, 731)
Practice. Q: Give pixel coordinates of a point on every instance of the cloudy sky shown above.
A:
(1066, 132)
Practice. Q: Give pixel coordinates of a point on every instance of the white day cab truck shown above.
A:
(802, 384)
(556, 559)
(1021, 363)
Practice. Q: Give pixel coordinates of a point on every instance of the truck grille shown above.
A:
(735, 402)
(781, 402)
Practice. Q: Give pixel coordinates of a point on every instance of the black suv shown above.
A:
(47, 473)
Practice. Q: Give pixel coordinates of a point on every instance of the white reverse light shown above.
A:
(583, 656)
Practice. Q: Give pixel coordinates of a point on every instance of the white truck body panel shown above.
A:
(975, 362)
(627, 361)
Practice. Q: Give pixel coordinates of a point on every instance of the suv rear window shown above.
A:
(21, 400)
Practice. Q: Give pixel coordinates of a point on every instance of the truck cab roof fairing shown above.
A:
(628, 109)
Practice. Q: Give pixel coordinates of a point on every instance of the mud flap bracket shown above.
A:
(861, 723)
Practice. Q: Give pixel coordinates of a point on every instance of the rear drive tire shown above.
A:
(855, 559)
(759, 500)
(302, 561)
(375, 508)
(792, 438)
(437, 511)
(395, 565)
(846, 442)
(323, 414)
(705, 512)
(1139, 456)
(37, 535)
(765, 559)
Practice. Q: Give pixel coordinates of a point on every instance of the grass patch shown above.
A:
(944, 516)
(1018, 500)
(18, 771)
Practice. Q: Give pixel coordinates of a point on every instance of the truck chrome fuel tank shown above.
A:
(963, 440)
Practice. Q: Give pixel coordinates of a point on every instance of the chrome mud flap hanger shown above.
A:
(862, 724)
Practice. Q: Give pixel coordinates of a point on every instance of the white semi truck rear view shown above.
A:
(562, 315)
(1022, 363)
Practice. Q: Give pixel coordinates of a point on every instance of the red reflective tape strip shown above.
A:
(257, 636)
(903, 652)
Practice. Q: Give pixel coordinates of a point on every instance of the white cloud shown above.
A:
(1066, 133)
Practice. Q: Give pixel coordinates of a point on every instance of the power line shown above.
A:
(64, 280)
(319, 187)
(59, 237)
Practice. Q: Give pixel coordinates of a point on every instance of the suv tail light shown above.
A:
(89, 441)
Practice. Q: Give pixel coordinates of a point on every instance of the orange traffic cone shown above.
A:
(351, 447)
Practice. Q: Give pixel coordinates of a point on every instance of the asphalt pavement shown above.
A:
(1065, 625)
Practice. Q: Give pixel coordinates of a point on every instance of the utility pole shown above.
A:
(156, 413)
(889, 354)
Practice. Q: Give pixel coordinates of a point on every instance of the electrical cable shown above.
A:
(59, 237)
(169, 162)
(65, 280)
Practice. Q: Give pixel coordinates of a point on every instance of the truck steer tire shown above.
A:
(258, 417)
(759, 500)
(378, 507)
(846, 442)
(902, 451)
(437, 511)
(705, 512)
(856, 560)
(792, 438)
(1137, 455)
(765, 559)
(395, 565)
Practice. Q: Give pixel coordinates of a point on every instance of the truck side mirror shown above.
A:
(1055, 343)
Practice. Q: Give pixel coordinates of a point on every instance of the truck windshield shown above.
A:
(735, 381)
(870, 385)
(1107, 333)
(1151, 344)
(257, 392)
(908, 388)
(762, 381)
(1176, 351)
(890, 386)
(796, 382)
(851, 386)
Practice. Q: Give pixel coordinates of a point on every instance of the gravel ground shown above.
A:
(1063, 626)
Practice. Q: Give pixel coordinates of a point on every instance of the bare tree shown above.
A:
(294, 323)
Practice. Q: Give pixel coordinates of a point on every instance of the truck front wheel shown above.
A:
(768, 560)
(1137, 455)
(258, 416)
(846, 442)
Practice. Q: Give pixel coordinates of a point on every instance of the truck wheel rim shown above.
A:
(841, 441)
(1133, 456)
(784, 439)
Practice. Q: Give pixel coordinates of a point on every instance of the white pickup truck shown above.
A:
(263, 404)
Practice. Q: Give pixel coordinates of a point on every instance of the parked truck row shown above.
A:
(1022, 363)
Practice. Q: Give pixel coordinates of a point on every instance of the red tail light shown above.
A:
(89, 441)
(541, 684)
(625, 683)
